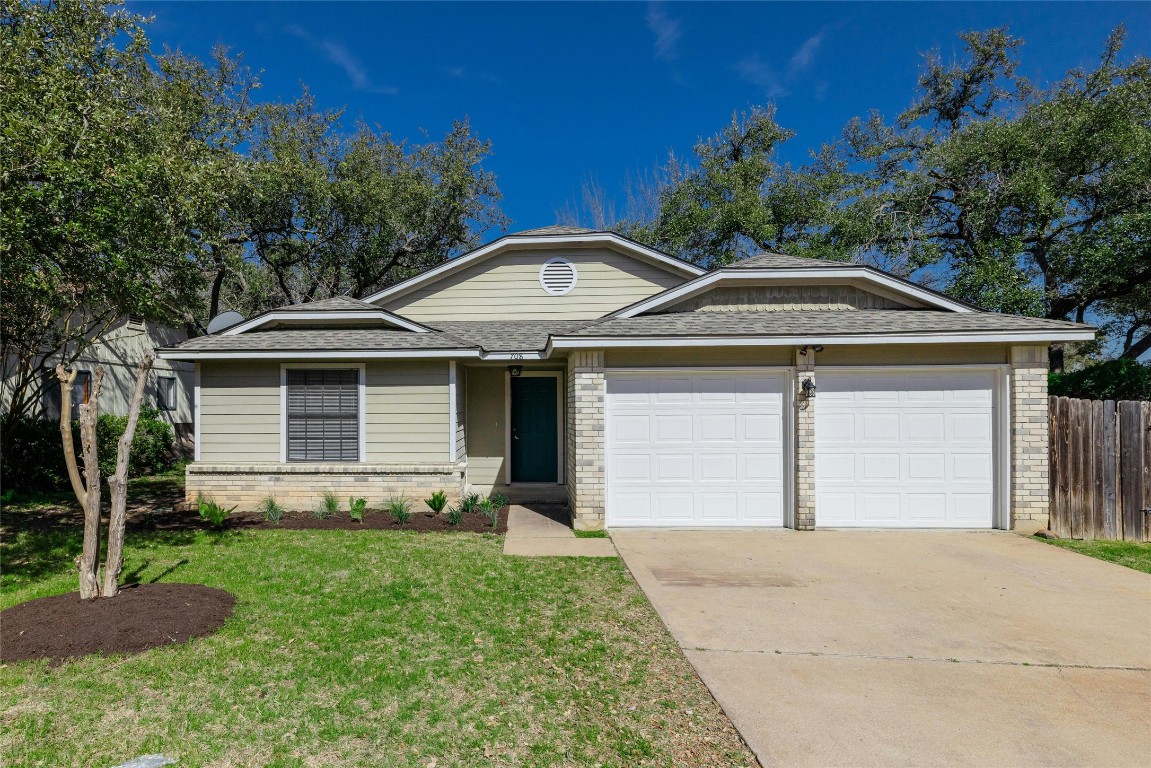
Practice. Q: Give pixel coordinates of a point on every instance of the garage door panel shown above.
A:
(673, 428)
(900, 449)
(714, 458)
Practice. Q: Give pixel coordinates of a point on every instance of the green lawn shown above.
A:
(367, 648)
(1129, 553)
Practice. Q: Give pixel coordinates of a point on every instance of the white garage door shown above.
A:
(695, 449)
(904, 449)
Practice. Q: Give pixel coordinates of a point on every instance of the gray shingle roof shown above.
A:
(367, 339)
(501, 336)
(817, 322)
(780, 261)
(555, 229)
(334, 304)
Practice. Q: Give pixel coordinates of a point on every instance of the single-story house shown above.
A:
(643, 390)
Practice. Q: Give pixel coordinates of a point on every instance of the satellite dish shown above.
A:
(224, 321)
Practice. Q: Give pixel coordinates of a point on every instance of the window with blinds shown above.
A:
(323, 415)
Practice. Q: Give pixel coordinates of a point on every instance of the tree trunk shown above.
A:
(89, 560)
(118, 484)
(66, 381)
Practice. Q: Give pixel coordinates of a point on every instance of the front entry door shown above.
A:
(534, 430)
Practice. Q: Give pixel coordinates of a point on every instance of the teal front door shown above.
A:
(534, 425)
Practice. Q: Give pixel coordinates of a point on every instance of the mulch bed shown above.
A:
(172, 513)
(140, 617)
(375, 520)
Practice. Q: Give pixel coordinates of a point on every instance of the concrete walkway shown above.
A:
(909, 648)
(540, 530)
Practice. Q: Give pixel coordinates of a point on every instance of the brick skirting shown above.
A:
(302, 486)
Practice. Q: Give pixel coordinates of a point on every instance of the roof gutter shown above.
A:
(954, 337)
(317, 354)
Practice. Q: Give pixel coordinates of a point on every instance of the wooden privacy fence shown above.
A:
(1100, 468)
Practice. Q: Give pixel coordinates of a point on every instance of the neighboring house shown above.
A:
(170, 385)
(778, 391)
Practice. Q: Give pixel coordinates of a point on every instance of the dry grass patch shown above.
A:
(370, 648)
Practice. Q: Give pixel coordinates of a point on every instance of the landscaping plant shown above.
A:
(271, 510)
(455, 515)
(213, 512)
(329, 506)
(357, 508)
(400, 509)
(437, 502)
(488, 509)
(499, 500)
(470, 502)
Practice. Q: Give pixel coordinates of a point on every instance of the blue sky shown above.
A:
(568, 91)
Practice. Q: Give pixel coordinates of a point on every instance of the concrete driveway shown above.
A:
(905, 648)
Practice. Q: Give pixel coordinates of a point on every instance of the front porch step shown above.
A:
(534, 493)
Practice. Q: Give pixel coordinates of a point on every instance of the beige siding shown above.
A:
(460, 426)
(406, 412)
(774, 298)
(239, 411)
(407, 415)
(697, 357)
(506, 287)
(913, 354)
(485, 427)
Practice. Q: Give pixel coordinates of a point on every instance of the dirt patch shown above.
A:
(375, 520)
(140, 617)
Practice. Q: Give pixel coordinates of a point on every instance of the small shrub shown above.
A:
(213, 512)
(152, 445)
(271, 510)
(499, 500)
(470, 502)
(455, 515)
(1121, 379)
(329, 506)
(488, 509)
(357, 508)
(437, 502)
(400, 509)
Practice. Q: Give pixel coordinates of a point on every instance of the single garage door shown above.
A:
(905, 449)
(695, 448)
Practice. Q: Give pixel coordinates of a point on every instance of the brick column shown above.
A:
(804, 444)
(586, 478)
(1029, 447)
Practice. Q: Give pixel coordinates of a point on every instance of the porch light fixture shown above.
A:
(515, 370)
(808, 388)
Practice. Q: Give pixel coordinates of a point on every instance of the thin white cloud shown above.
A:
(667, 32)
(339, 55)
(805, 55)
(758, 72)
(463, 73)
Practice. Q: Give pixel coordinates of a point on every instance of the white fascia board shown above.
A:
(958, 337)
(367, 314)
(326, 354)
(820, 274)
(459, 262)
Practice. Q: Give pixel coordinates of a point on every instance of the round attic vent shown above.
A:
(558, 276)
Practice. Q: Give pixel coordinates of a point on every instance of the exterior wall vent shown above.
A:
(558, 276)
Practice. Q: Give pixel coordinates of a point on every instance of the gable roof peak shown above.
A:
(782, 261)
(556, 229)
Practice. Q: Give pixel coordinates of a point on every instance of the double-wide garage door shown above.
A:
(894, 448)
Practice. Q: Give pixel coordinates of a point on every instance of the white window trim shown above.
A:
(559, 377)
(452, 412)
(196, 415)
(173, 405)
(566, 262)
(363, 379)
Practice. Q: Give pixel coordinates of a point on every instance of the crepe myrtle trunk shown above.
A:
(87, 487)
(118, 485)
